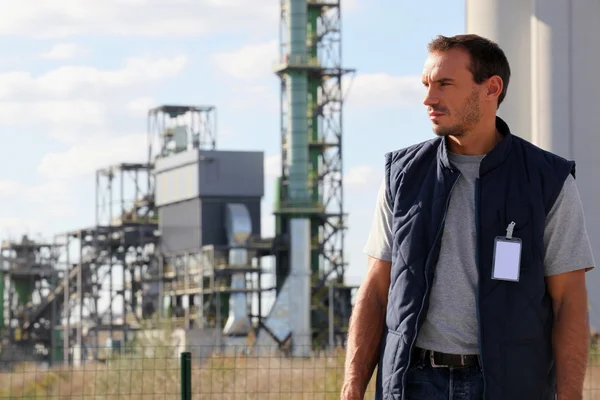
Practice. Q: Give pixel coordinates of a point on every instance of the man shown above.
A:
(477, 253)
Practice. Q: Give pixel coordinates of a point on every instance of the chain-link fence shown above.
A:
(176, 372)
(167, 372)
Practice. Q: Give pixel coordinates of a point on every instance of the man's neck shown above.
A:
(478, 141)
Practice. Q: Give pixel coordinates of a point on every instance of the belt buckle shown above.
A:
(432, 361)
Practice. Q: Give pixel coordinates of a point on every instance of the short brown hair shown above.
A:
(487, 58)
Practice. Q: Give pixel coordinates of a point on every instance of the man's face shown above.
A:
(453, 99)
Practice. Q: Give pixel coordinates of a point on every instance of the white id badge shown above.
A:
(507, 257)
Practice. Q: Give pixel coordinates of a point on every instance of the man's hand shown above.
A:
(571, 333)
(366, 328)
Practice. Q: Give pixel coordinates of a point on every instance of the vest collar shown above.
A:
(492, 159)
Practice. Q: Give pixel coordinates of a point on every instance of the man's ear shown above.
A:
(495, 85)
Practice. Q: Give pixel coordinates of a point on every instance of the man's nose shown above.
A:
(430, 98)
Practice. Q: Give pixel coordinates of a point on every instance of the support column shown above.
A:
(551, 89)
(507, 22)
(566, 95)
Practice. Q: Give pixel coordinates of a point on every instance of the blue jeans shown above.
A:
(454, 383)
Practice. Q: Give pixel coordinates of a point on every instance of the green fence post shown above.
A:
(186, 375)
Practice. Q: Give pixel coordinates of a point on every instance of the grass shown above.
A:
(218, 377)
(143, 374)
(149, 368)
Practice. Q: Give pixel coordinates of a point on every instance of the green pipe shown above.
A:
(56, 352)
(313, 131)
(186, 375)
(23, 289)
(314, 82)
(298, 108)
(1, 300)
(312, 19)
(298, 172)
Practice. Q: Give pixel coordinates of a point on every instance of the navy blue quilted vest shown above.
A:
(517, 182)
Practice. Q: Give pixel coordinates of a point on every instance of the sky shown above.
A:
(77, 78)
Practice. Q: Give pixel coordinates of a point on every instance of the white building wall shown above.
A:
(554, 50)
(507, 23)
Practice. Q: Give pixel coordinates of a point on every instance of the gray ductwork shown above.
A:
(238, 226)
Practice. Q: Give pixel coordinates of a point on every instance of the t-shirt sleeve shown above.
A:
(379, 241)
(567, 246)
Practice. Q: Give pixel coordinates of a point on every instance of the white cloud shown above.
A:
(12, 228)
(50, 191)
(63, 51)
(62, 211)
(71, 103)
(250, 62)
(32, 209)
(140, 105)
(362, 178)
(262, 97)
(360, 175)
(350, 5)
(157, 18)
(8, 188)
(91, 111)
(383, 90)
(84, 81)
(62, 112)
(93, 153)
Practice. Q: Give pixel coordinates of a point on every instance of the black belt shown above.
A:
(437, 359)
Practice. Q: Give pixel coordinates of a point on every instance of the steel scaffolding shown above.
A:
(322, 67)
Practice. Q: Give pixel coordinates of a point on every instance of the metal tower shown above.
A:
(310, 188)
(176, 128)
(104, 266)
(27, 269)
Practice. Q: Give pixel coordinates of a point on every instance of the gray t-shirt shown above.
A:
(451, 322)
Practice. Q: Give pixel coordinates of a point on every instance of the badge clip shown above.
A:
(509, 230)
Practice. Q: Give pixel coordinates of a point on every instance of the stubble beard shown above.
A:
(468, 116)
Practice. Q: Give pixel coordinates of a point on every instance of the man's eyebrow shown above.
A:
(440, 80)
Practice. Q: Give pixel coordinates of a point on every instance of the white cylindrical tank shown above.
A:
(507, 23)
(554, 92)
(551, 89)
(565, 101)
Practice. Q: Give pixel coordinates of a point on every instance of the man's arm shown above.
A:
(366, 328)
(368, 314)
(571, 332)
(568, 256)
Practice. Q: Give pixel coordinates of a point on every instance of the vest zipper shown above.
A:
(427, 266)
(477, 228)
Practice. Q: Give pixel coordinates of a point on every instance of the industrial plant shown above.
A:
(178, 239)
